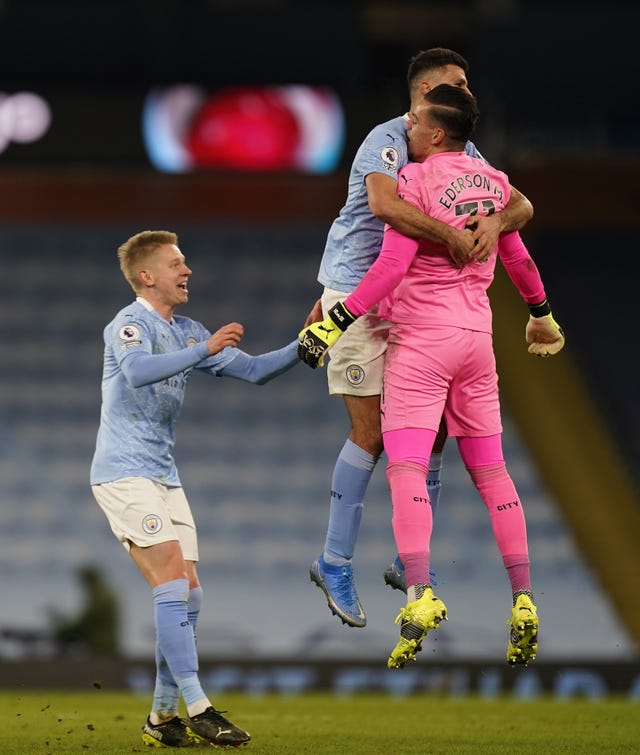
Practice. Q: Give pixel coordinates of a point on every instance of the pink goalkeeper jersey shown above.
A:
(429, 288)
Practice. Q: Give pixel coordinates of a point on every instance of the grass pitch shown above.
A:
(365, 724)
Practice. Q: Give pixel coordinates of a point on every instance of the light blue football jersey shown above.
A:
(355, 236)
(136, 432)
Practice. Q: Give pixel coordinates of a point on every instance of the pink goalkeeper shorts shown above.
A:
(434, 369)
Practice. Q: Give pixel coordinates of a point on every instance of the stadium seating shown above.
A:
(255, 462)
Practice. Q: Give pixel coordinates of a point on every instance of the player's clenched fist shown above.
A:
(317, 339)
(227, 335)
(543, 334)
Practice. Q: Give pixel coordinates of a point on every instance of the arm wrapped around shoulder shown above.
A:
(317, 339)
(543, 334)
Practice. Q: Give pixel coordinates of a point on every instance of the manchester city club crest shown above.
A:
(152, 524)
(355, 374)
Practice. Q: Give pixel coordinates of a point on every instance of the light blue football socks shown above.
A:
(351, 475)
(175, 637)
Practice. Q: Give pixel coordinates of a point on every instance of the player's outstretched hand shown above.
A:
(544, 336)
(315, 315)
(227, 335)
(315, 340)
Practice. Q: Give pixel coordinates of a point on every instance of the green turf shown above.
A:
(106, 722)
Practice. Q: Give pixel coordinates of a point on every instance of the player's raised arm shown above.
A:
(387, 204)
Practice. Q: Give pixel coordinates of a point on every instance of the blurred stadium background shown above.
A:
(84, 113)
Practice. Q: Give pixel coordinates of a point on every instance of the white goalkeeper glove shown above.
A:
(317, 339)
(543, 334)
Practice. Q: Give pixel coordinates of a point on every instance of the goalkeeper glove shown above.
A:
(543, 334)
(317, 339)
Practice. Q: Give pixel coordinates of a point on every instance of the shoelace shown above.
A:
(404, 615)
(407, 617)
(345, 588)
(218, 717)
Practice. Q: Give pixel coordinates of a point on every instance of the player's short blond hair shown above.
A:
(135, 252)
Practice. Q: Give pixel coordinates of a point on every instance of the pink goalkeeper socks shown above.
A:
(507, 519)
(412, 519)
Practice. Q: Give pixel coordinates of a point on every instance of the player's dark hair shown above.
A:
(428, 60)
(454, 110)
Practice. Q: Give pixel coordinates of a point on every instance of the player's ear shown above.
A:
(145, 278)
